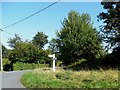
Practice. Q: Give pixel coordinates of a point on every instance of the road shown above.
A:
(12, 79)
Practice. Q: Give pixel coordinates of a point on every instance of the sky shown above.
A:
(48, 21)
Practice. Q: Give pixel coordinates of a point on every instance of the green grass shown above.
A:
(70, 79)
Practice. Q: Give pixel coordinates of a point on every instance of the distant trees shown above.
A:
(25, 52)
(54, 45)
(13, 41)
(28, 52)
(77, 39)
(40, 39)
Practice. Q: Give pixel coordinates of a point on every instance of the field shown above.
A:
(41, 78)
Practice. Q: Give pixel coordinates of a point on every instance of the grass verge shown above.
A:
(40, 78)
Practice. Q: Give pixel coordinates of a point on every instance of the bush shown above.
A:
(6, 64)
(58, 63)
(5, 61)
(26, 66)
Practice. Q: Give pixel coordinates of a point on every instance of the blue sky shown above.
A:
(48, 21)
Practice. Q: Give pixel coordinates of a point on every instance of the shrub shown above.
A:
(58, 63)
(6, 64)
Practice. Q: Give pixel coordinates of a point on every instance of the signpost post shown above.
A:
(53, 57)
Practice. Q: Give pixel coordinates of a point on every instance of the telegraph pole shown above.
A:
(1, 68)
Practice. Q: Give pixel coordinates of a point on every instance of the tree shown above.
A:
(111, 29)
(13, 41)
(27, 53)
(40, 39)
(53, 45)
(4, 51)
(77, 39)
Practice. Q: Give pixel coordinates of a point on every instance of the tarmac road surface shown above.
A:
(12, 79)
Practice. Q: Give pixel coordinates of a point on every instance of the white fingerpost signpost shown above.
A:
(53, 57)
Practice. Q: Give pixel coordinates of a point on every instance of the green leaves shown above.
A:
(4, 51)
(27, 53)
(40, 39)
(13, 41)
(78, 39)
(111, 18)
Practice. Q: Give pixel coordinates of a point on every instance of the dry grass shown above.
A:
(92, 74)
(73, 79)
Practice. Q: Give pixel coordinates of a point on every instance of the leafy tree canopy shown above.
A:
(13, 41)
(78, 39)
(27, 53)
(40, 39)
(111, 18)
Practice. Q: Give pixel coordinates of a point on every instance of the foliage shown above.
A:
(5, 61)
(70, 79)
(78, 39)
(4, 51)
(77, 63)
(111, 32)
(58, 63)
(111, 18)
(6, 64)
(27, 66)
(53, 45)
(26, 53)
(40, 39)
(13, 41)
(111, 60)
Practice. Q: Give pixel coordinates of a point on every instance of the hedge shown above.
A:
(26, 66)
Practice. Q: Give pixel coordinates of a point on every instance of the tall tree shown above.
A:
(40, 39)
(13, 41)
(78, 39)
(111, 29)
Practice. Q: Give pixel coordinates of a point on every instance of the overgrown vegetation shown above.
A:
(40, 78)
